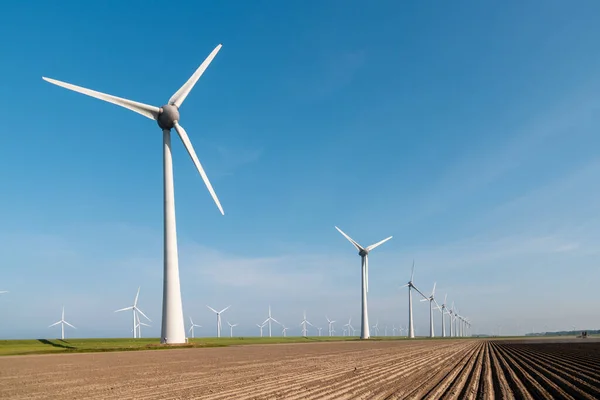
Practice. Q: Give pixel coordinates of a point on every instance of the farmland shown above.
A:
(453, 369)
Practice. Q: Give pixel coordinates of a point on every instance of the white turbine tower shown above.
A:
(431, 300)
(135, 310)
(269, 321)
(192, 327)
(167, 117)
(62, 323)
(364, 255)
(304, 323)
(330, 323)
(411, 285)
(218, 318)
(231, 329)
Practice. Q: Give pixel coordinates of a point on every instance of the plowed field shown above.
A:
(446, 369)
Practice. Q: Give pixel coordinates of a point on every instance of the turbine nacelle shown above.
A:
(167, 116)
(363, 252)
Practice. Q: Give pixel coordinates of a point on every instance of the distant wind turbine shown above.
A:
(284, 330)
(231, 328)
(192, 327)
(411, 285)
(269, 319)
(303, 324)
(218, 318)
(431, 300)
(363, 252)
(139, 325)
(261, 328)
(135, 310)
(330, 322)
(62, 323)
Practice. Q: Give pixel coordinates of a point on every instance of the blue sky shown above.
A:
(467, 131)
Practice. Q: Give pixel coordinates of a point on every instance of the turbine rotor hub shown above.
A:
(363, 253)
(167, 116)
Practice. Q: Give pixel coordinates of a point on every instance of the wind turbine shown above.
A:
(261, 328)
(376, 328)
(443, 310)
(192, 327)
(349, 327)
(394, 330)
(304, 323)
(411, 285)
(319, 329)
(62, 323)
(363, 252)
(218, 318)
(269, 321)
(139, 325)
(283, 332)
(231, 329)
(431, 300)
(330, 322)
(167, 117)
(135, 309)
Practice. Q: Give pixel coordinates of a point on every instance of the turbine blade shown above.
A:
(69, 324)
(125, 309)
(412, 273)
(433, 291)
(140, 311)
(190, 149)
(215, 311)
(371, 247)
(223, 310)
(56, 323)
(358, 246)
(140, 108)
(180, 95)
(136, 297)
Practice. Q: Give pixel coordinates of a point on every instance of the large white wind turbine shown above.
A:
(62, 323)
(167, 117)
(304, 323)
(411, 285)
(231, 328)
(192, 326)
(218, 318)
(431, 300)
(135, 310)
(269, 321)
(363, 252)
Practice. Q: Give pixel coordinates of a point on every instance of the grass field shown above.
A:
(47, 346)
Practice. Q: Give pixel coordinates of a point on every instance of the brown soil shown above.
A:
(444, 369)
